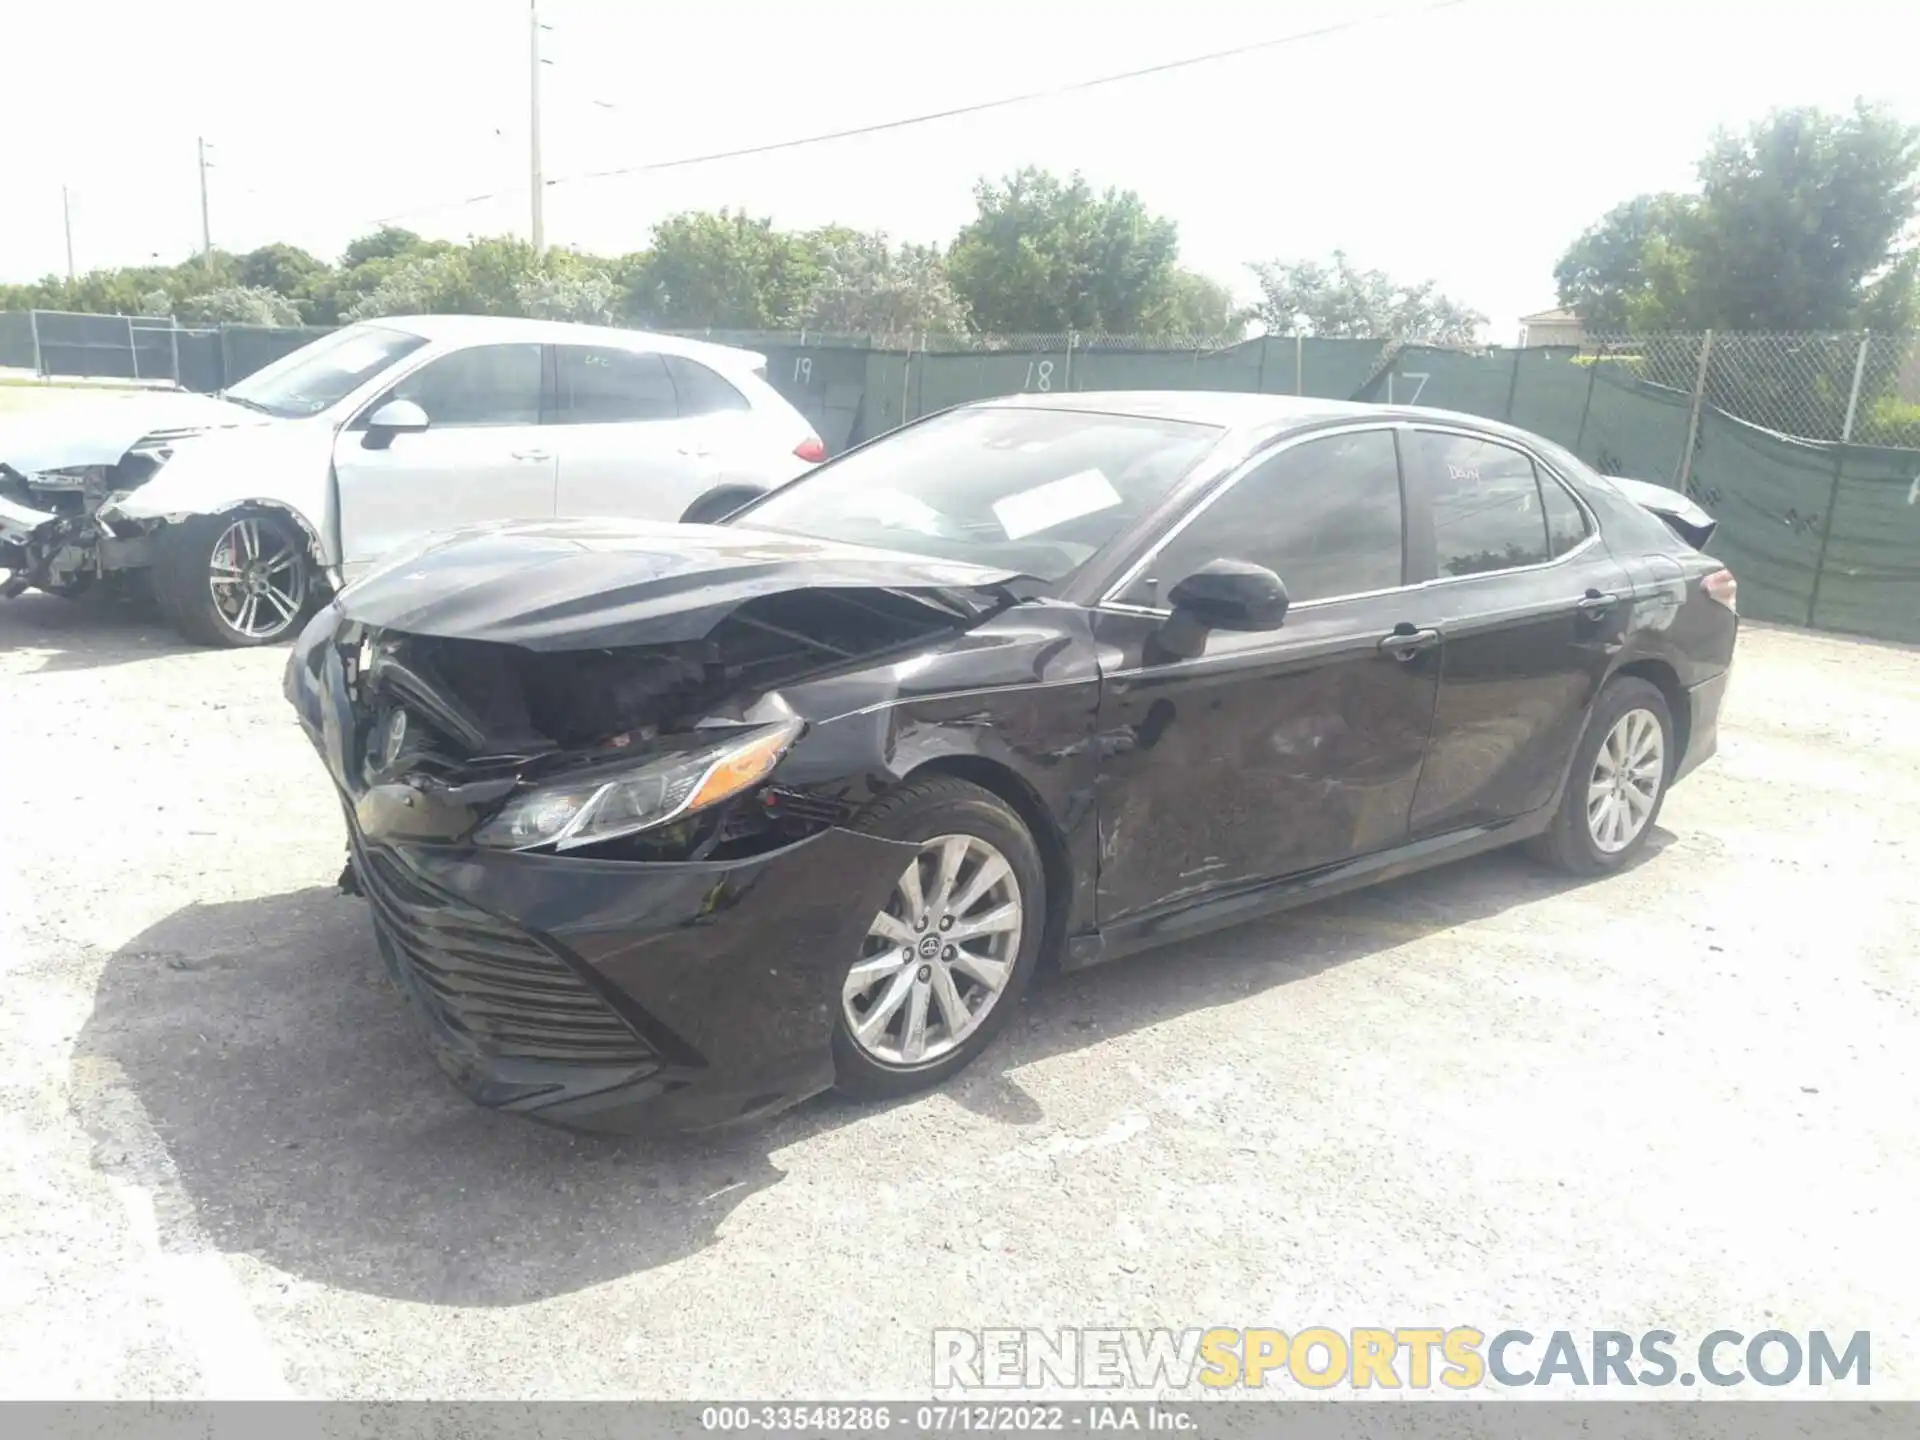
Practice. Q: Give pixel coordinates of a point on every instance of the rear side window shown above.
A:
(1323, 515)
(599, 385)
(1566, 521)
(1487, 514)
(702, 390)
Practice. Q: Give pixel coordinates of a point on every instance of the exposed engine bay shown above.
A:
(447, 731)
(53, 536)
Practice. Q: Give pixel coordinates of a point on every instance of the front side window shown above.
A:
(319, 376)
(1028, 490)
(1487, 514)
(600, 385)
(1323, 515)
(487, 385)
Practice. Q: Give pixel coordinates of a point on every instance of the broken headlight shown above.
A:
(588, 810)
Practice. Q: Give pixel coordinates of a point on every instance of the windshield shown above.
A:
(318, 376)
(1033, 491)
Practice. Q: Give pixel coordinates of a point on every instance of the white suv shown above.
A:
(376, 436)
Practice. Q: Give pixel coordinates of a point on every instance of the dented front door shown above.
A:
(1267, 756)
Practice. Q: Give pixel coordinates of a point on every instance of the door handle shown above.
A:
(532, 454)
(1406, 642)
(1595, 603)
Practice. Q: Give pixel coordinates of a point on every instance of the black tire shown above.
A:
(183, 565)
(918, 812)
(1569, 843)
(133, 589)
(718, 503)
(72, 589)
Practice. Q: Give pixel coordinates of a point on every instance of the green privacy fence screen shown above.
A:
(1762, 430)
(1819, 532)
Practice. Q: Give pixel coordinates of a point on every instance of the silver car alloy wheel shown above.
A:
(1626, 779)
(257, 581)
(939, 956)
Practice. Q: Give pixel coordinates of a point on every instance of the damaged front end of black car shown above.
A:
(595, 811)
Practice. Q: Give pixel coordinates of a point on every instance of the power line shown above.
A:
(982, 106)
(954, 112)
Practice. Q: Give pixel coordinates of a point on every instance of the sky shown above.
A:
(1467, 144)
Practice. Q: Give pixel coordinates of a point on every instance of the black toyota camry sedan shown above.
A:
(664, 826)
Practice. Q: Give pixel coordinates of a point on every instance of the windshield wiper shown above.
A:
(249, 404)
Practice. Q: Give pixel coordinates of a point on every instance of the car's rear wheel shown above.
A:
(947, 958)
(238, 579)
(1617, 784)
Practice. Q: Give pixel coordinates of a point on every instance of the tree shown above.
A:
(1197, 306)
(864, 285)
(422, 284)
(1629, 270)
(1043, 255)
(726, 270)
(289, 271)
(386, 243)
(1797, 226)
(1304, 297)
(241, 305)
(570, 287)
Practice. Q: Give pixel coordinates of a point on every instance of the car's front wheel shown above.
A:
(947, 957)
(1617, 784)
(238, 579)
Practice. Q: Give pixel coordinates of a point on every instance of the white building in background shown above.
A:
(1551, 327)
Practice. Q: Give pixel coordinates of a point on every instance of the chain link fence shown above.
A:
(1853, 389)
(142, 349)
(936, 342)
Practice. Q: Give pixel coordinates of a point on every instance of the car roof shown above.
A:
(1241, 411)
(472, 329)
(1230, 410)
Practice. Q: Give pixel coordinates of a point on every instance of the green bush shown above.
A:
(1890, 421)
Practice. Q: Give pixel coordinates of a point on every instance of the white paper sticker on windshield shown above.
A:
(1058, 501)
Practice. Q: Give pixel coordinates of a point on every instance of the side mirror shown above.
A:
(1231, 595)
(396, 417)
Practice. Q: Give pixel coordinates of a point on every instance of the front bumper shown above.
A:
(609, 995)
(19, 523)
(625, 997)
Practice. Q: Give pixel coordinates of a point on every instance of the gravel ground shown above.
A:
(1683, 1097)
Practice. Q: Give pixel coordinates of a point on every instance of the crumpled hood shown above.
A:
(586, 584)
(101, 429)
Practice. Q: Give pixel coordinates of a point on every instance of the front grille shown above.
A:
(503, 990)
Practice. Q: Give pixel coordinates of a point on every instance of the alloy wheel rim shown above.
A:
(938, 956)
(1625, 781)
(256, 579)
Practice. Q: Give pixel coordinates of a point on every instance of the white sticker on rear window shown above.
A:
(1058, 501)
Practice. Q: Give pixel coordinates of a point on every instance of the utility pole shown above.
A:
(206, 229)
(533, 129)
(66, 219)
